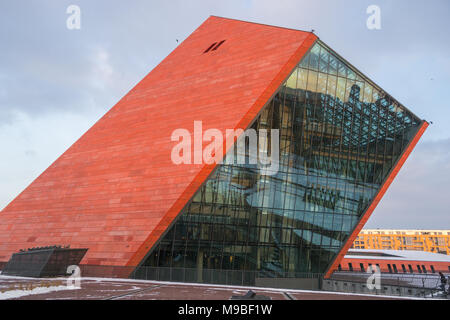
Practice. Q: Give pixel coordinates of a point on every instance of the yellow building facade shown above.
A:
(437, 241)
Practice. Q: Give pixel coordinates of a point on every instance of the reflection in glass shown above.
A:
(339, 137)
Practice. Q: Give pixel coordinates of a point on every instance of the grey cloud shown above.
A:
(48, 68)
(419, 195)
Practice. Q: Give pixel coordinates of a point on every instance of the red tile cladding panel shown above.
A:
(376, 200)
(116, 189)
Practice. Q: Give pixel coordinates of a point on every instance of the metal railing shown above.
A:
(395, 284)
(223, 277)
(193, 275)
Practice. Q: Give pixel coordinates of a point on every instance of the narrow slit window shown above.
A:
(395, 268)
(210, 47)
(424, 269)
(217, 47)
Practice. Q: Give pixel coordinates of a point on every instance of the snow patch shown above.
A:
(10, 294)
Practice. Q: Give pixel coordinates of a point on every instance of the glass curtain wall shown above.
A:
(340, 135)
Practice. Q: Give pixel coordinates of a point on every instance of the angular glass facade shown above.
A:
(340, 135)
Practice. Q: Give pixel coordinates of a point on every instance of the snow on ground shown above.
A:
(10, 294)
(241, 288)
(15, 287)
(101, 288)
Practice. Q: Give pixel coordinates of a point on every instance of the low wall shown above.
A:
(289, 283)
(388, 290)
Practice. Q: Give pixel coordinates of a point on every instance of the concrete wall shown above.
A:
(388, 290)
(289, 283)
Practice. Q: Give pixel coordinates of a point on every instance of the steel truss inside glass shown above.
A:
(340, 135)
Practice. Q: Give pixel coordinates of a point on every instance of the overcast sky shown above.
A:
(55, 82)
